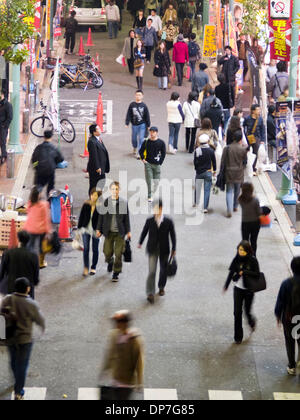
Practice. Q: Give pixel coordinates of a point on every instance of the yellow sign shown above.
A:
(209, 41)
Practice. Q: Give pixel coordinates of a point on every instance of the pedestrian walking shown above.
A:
(182, 12)
(139, 117)
(169, 33)
(233, 159)
(191, 110)
(151, 5)
(113, 19)
(271, 132)
(87, 225)
(139, 63)
(124, 358)
(114, 225)
(180, 57)
(287, 312)
(162, 65)
(128, 50)
(205, 166)
(139, 22)
(159, 229)
(186, 29)
(44, 159)
(255, 131)
(225, 93)
(6, 116)
(230, 66)
(18, 262)
(243, 265)
(200, 78)
(149, 39)
(27, 313)
(206, 128)
(175, 119)
(212, 108)
(243, 46)
(233, 126)
(38, 223)
(98, 164)
(133, 6)
(156, 20)
(194, 56)
(170, 14)
(121, 5)
(251, 212)
(204, 93)
(153, 153)
(71, 26)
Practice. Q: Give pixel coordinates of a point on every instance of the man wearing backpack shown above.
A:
(44, 160)
(194, 54)
(71, 28)
(287, 311)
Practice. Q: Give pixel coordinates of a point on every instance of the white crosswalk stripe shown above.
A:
(281, 396)
(33, 394)
(88, 394)
(160, 394)
(225, 395)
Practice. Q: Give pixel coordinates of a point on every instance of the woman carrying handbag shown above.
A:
(139, 63)
(162, 65)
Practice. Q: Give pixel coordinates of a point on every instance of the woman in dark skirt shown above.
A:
(162, 65)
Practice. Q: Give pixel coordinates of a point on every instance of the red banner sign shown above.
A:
(280, 32)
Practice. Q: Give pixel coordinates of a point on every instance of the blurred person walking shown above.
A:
(255, 131)
(98, 164)
(128, 50)
(149, 38)
(139, 22)
(230, 66)
(175, 119)
(113, 19)
(225, 93)
(139, 63)
(71, 26)
(191, 110)
(194, 55)
(180, 57)
(162, 65)
(200, 78)
(279, 81)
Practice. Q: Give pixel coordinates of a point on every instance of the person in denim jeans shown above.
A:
(205, 163)
(113, 19)
(88, 221)
(175, 119)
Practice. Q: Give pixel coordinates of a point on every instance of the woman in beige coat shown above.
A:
(128, 49)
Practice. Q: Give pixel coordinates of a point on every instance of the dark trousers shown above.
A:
(290, 344)
(179, 69)
(41, 181)
(3, 137)
(94, 179)
(148, 52)
(70, 38)
(130, 65)
(250, 231)
(255, 148)
(19, 362)
(86, 251)
(245, 64)
(242, 297)
(190, 136)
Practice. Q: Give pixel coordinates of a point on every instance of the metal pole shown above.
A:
(294, 51)
(231, 6)
(14, 132)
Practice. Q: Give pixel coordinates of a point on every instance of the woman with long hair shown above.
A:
(162, 65)
(191, 110)
(233, 126)
(251, 212)
(207, 88)
(206, 128)
(88, 221)
(175, 119)
(139, 22)
(38, 223)
(186, 28)
(139, 63)
(244, 264)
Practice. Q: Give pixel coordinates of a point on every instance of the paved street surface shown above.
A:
(188, 332)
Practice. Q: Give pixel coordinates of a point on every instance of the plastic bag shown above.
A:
(250, 160)
(78, 241)
(119, 59)
(261, 156)
(218, 154)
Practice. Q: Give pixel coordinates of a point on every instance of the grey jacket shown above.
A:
(27, 313)
(278, 83)
(234, 156)
(127, 50)
(149, 36)
(200, 79)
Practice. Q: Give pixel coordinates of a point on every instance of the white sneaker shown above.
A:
(291, 372)
(134, 151)
(171, 150)
(205, 211)
(138, 156)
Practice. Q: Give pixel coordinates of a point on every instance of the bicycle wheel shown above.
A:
(86, 79)
(98, 83)
(67, 131)
(39, 125)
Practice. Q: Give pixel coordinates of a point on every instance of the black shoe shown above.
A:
(110, 267)
(150, 299)
(115, 277)
(3, 160)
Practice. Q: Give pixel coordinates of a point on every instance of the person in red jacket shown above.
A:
(180, 57)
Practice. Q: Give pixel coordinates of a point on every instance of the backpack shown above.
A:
(193, 51)
(45, 164)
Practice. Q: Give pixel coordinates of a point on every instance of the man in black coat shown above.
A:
(231, 66)
(98, 164)
(6, 116)
(114, 224)
(160, 228)
(71, 28)
(19, 262)
(225, 93)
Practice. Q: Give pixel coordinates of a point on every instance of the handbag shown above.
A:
(138, 63)
(255, 284)
(221, 178)
(172, 267)
(251, 137)
(156, 72)
(127, 252)
(197, 122)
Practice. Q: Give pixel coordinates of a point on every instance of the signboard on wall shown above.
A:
(280, 9)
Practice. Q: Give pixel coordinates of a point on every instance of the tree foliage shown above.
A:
(255, 18)
(16, 27)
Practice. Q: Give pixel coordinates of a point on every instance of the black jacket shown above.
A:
(45, 158)
(230, 68)
(18, 262)
(6, 113)
(260, 133)
(85, 216)
(122, 216)
(206, 161)
(226, 94)
(163, 63)
(284, 300)
(159, 237)
(248, 265)
(71, 25)
(215, 114)
(138, 114)
(271, 128)
(139, 23)
(98, 157)
(155, 151)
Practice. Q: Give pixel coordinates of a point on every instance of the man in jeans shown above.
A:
(139, 117)
(153, 153)
(160, 228)
(114, 224)
(234, 158)
(113, 19)
(20, 345)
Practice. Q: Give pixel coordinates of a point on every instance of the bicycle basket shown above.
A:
(72, 68)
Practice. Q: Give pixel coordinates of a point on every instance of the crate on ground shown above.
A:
(5, 225)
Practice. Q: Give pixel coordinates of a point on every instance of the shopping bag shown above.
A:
(119, 59)
(127, 253)
(261, 156)
(188, 72)
(250, 160)
(78, 241)
(218, 154)
(123, 62)
(174, 72)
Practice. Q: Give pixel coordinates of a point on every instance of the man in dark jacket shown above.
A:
(114, 225)
(159, 228)
(287, 312)
(271, 131)
(98, 164)
(200, 78)
(71, 28)
(6, 116)
(243, 46)
(44, 160)
(254, 125)
(19, 262)
(225, 93)
(230, 67)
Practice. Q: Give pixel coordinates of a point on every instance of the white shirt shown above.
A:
(159, 221)
(156, 22)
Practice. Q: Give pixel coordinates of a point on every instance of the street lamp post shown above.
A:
(14, 132)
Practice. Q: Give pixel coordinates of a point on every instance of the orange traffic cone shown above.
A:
(13, 237)
(89, 41)
(99, 120)
(63, 232)
(81, 48)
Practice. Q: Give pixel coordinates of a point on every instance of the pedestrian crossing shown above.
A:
(154, 394)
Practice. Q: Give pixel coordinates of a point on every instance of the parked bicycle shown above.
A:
(46, 122)
(89, 64)
(76, 74)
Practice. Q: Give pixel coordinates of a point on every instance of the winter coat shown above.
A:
(225, 93)
(283, 309)
(180, 52)
(230, 68)
(260, 133)
(234, 157)
(205, 106)
(127, 49)
(215, 114)
(149, 36)
(171, 32)
(139, 23)
(191, 111)
(249, 265)
(85, 217)
(162, 60)
(173, 110)
(38, 218)
(170, 15)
